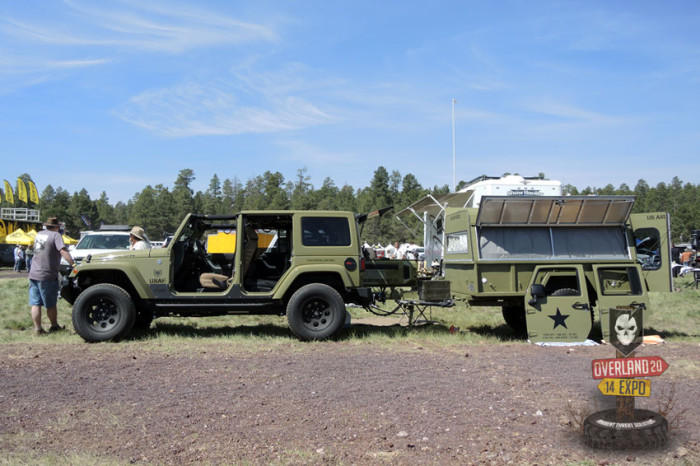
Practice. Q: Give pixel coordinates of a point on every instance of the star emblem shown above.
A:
(559, 319)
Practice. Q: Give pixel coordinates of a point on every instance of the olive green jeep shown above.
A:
(305, 264)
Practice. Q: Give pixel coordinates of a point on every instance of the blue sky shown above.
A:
(116, 95)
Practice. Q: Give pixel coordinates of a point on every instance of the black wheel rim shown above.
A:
(317, 314)
(103, 314)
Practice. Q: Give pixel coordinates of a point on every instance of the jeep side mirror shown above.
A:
(537, 291)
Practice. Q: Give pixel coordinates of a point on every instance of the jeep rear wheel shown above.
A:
(315, 312)
(103, 312)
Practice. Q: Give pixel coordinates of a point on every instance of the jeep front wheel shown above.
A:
(103, 312)
(315, 312)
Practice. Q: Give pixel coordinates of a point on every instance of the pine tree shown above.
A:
(183, 195)
(301, 193)
(105, 212)
(213, 202)
(81, 212)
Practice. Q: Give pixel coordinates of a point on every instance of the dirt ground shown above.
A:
(342, 402)
(332, 402)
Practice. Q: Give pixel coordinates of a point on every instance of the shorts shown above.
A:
(43, 293)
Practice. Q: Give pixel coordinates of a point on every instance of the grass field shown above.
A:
(674, 316)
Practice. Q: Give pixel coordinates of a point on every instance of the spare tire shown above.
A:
(647, 430)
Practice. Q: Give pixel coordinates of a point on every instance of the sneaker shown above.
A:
(56, 328)
(39, 331)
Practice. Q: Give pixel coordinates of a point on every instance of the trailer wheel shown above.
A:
(103, 312)
(315, 312)
(648, 430)
(515, 319)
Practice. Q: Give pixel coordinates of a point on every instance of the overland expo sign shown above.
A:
(625, 387)
(626, 427)
(647, 366)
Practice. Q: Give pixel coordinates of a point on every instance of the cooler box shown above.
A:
(433, 290)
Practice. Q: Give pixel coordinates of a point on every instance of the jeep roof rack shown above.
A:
(114, 228)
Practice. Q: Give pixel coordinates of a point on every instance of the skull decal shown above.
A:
(626, 329)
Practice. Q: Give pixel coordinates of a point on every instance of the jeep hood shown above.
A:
(115, 255)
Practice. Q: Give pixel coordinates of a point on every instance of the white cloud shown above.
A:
(142, 26)
(569, 112)
(312, 155)
(24, 72)
(41, 46)
(216, 109)
(22, 65)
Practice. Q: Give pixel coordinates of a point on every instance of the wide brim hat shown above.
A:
(52, 222)
(138, 232)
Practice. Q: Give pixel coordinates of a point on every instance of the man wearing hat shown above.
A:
(138, 239)
(43, 276)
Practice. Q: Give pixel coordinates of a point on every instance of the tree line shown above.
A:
(160, 209)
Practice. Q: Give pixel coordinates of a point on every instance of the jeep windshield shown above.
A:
(116, 241)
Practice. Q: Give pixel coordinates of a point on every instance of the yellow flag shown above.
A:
(33, 194)
(9, 197)
(21, 190)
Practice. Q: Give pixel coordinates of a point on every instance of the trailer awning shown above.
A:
(433, 205)
(554, 210)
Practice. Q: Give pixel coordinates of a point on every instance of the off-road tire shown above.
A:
(315, 312)
(648, 430)
(103, 312)
(515, 319)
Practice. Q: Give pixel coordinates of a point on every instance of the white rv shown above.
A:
(430, 209)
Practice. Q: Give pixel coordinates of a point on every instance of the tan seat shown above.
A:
(250, 249)
(215, 281)
(219, 281)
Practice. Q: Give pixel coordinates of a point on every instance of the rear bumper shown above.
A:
(361, 295)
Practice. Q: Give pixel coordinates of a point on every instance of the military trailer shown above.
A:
(306, 265)
(552, 263)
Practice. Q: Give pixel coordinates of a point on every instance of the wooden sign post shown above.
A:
(625, 426)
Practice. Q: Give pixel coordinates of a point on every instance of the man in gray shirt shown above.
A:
(43, 277)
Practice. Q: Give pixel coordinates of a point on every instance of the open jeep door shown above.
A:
(652, 240)
(557, 305)
(618, 287)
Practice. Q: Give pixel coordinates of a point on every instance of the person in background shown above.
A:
(29, 256)
(138, 239)
(17, 255)
(43, 277)
(686, 257)
(397, 254)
